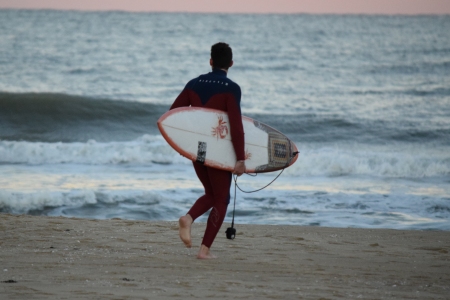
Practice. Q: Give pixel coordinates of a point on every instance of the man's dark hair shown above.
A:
(222, 55)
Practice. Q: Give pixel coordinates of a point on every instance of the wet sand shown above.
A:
(67, 258)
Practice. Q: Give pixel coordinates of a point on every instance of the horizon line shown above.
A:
(230, 13)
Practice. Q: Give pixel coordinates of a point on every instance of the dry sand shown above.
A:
(62, 258)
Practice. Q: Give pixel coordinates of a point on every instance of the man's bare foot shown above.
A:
(204, 253)
(185, 223)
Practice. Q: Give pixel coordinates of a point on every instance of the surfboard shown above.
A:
(203, 135)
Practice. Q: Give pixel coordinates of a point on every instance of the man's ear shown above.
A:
(231, 64)
(211, 62)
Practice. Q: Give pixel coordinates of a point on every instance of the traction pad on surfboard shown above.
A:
(279, 151)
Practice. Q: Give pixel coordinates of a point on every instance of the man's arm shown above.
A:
(237, 132)
(181, 100)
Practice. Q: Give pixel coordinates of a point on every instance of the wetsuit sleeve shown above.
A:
(181, 100)
(236, 127)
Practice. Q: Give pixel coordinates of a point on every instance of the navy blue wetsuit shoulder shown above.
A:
(213, 83)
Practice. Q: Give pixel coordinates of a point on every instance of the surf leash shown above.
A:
(231, 231)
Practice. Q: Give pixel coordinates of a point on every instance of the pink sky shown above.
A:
(245, 6)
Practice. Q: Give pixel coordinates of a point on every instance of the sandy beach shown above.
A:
(62, 258)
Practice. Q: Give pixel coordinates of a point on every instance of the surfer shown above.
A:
(214, 90)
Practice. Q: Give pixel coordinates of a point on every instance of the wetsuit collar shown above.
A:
(221, 72)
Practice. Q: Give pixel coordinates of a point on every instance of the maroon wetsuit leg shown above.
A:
(205, 202)
(217, 196)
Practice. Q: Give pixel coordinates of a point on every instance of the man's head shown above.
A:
(221, 56)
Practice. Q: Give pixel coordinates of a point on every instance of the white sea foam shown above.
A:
(404, 162)
(19, 202)
(271, 206)
(25, 202)
(146, 150)
(412, 162)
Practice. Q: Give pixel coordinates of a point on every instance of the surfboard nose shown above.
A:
(294, 154)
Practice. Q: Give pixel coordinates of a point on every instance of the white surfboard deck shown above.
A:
(203, 135)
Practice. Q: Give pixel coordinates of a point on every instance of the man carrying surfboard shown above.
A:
(214, 90)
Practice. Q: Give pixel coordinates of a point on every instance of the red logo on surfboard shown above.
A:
(221, 130)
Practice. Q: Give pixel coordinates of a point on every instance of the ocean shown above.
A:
(365, 98)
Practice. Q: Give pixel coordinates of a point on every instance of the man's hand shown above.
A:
(239, 168)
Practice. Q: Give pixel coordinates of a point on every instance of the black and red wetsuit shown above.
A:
(215, 90)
